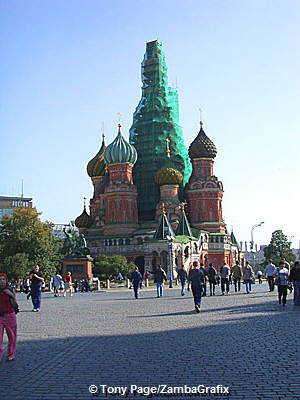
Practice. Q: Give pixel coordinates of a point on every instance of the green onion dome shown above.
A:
(96, 167)
(84, 220)
(120, 151)
(202, 146)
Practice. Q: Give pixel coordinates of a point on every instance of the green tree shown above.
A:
(279, 247)
(110, 266)
(24, 241)
(16, 266)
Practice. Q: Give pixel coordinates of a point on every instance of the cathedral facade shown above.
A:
(155, 201)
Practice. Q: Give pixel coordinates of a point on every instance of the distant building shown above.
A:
(58, 230)
(256, 257)
(8, 204)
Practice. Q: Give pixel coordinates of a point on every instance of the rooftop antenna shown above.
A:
(84, 199)
(22, 193)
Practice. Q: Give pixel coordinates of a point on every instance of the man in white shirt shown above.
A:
(270, 272)
(225, 273)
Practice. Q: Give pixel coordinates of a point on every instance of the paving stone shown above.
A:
(246, 342)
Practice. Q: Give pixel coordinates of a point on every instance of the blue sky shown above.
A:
(66, 66)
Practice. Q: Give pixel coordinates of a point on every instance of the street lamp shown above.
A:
(252, 243)
(170, 263)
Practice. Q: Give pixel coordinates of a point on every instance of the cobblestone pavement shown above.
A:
(246, 342)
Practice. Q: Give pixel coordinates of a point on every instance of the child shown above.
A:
(8, 321)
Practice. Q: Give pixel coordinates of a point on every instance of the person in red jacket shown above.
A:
(8, 320)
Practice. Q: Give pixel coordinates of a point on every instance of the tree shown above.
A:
(279, 247)
(24, 241)
(110, 266)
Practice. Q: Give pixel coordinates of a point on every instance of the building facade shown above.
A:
(8, 204)
(155, 201)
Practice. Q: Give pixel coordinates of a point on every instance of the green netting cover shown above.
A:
(156, 118)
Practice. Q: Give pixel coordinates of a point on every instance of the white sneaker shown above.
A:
(64, 294)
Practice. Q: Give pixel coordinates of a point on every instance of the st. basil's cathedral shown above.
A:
(155, 201)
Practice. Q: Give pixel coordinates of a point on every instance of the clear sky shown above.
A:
(68, 65)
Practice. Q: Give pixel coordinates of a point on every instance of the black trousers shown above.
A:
(237, 284)
(271, 283)
(224, 284)
(212, 286)
(282, 293)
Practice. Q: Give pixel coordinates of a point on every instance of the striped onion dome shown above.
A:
(120, 151)
(96, 167)
(202, 146)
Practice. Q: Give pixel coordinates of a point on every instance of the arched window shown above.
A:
(115, 242)
(127, 241)
(110, 242)
(139, 240)
(121, 242)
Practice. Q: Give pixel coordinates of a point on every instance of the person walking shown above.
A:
(211, 275)
(270, 270)
(282, 281)
(159, 278)
(56, 281)
(236, 274)
(147, 277)
(136, 279)
(248, 277)
(68, 284)
(205, 279)
(295, 279)
(196, 277)
(183, 277)
(8, 321)
(224, 273)
(259, 276)
(37, 281)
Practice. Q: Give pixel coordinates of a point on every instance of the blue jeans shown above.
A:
(197, 292)
(296, 285)
(36, 296)
(159, 288)
(183, 282)
(248, 285)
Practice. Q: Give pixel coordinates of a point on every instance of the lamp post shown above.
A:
(170, 263)
(252, 244)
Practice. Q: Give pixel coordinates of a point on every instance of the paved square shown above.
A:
(246, 342)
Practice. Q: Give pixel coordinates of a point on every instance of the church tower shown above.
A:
(97, 171)
(120, 194)
(205, 191)
(155, 119)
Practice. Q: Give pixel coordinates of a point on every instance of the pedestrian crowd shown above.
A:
(286, 279)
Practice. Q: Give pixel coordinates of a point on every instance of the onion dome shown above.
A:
(202, 146)
(120, 151)
(96, 167)
(84, 220)
(168, 174)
